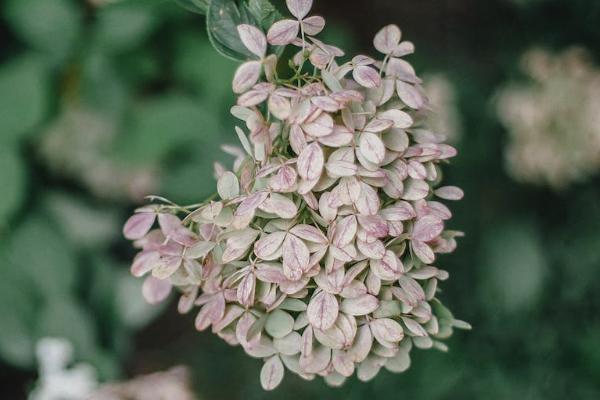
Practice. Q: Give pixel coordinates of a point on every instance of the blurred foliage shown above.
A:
(103, 101)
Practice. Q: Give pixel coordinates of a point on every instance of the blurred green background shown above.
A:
(102, 102)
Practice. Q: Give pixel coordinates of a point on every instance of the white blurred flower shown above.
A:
(445, 117)
(554, 120)
(56, 380)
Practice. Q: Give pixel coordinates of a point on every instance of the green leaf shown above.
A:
(24, 95)
(124, 26)
(64, 317)
(222, 20)
(42, 256)
(12, 182)
(17, 313)
(197, 6)
(52, 26)
(162, 125)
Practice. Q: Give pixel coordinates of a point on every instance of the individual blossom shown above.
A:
(318, 252)
(553, 120)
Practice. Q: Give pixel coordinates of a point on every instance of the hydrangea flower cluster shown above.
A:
(318, 255)
(553, 122)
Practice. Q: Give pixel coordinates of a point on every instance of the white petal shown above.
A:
(387, 39)
(283, 32)
(323, 310)
(310, 162)
(246, 76)
(155, 290)
(371, 147)
(254, 39)
(296, 257)
(138, 225)
(271, 373)
(313, 25)
(299, 8)
(228, 186)
(366, 76)
(427, 228)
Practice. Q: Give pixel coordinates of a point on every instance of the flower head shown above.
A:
(317, 255)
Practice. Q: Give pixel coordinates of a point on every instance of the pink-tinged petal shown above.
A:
(254, 39)
(249, 205)
(270, 273)
(246, 76)
(322, 310)
(368, 203)
(279, 205)
(285, 180)
(400, 211)
(283, 32)
(374, 250)
(415, 189)
(297, 139)
(379, 124)
(296, 257)
(345, 231)
(427, 228)
(341, 136)
(342, 363)
(361, 60)
(311, 200)
(440, 210)
(416, 170)
(307, 342)
(155, 290)
(366, 76)
(414, 327)
(403, 49)
(326, 103)
(279, 106)
(374, 225)
(313, 25)
(245, 290)
(362, 305)
(449, 193)
(309, 233)
(410, 95)
(172, 228)
(252, 98)
(138, 225)
(388, 268)
(271, 373)
(422, 251)
(337, 169)
(144, 262)
(167, 267)
(386, 330)
(371, 147)
(387, 39)
(412, 290)
(362, 344)
(299, 8)
(322, 126)
(325, 210)
(400, 119)
(317, 362)
(310, 162)
(402, 70)
(268, 245)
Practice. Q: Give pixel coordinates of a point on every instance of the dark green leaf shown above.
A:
(197, 6)
(24, 92)
(52, 26)
(12, 182)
